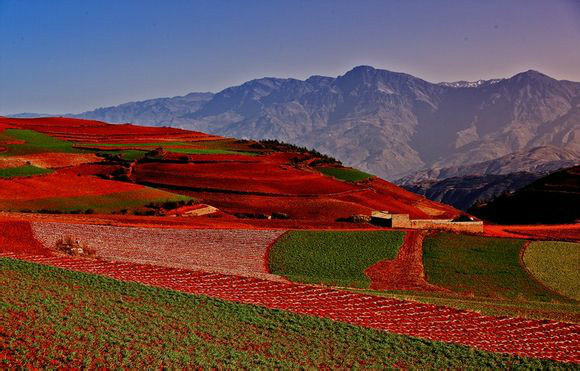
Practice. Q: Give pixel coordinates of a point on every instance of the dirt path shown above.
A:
(405, 272)
(531, 338)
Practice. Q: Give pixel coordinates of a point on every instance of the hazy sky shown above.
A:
(70, 56)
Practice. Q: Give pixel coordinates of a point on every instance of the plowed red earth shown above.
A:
(405, 272)
(531, 338)
(268, 174)
(382, 195)
(559, 232)
(321, 208)
(18, 237)
(57, 185)
(268, 184)
(97, 131)
(234, 251)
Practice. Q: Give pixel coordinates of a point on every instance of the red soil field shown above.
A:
(559, 232)
(267, 175)
(17, 236)
(549, 232)
(220, 221)
(405, 272)
(57, 185)
(97, 131)
(234, 251)
(316, 208)
(531, 338)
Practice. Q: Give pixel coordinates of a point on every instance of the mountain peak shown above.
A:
(531, 75)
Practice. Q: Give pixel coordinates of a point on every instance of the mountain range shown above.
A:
(387, 123)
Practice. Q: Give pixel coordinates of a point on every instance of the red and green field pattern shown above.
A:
(332, 258)
(31, 142)
(482, 267)
(53, 318)
(20, 171)
(99, 203)
(346, 174)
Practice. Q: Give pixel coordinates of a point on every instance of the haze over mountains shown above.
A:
(463, 186)
(392, 124)
(388, 123)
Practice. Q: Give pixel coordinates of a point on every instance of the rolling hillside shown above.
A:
(55, 165)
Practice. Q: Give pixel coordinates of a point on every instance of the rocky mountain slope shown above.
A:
(388, 123)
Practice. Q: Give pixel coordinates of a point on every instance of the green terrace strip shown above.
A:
(130, 201)
(204, 151)
(346, 174)
(53, 318)
(482, 267)
(26, 170)
(556, 265)
(154, 144)
(34, 142)
(333, 258)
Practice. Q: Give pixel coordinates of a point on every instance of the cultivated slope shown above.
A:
(135, 169)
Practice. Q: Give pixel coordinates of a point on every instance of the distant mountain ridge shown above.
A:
(463, 186)
(388, 123)
(553, 199)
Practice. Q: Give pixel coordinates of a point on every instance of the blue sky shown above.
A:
(60, 56)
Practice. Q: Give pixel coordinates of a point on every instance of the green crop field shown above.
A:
(556, 265)
(35, 142)
(26, 170)
(334, 258)
(481, 266)
(346, 174)
(106, 203)
(172, 147)
(53, 318)
(151, 144)
(204, 151)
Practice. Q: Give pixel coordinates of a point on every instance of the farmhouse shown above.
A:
(387, 219)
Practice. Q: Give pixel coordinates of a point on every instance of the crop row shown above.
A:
(539, 339)
(240, 252)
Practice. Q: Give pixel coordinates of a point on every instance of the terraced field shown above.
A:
(240, 252)
(540, 339)
(103, 323)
